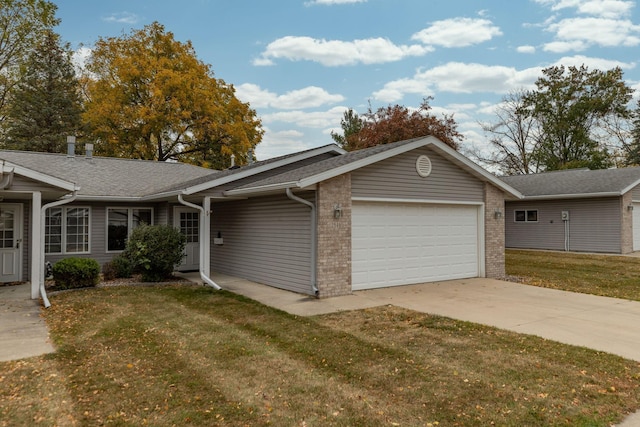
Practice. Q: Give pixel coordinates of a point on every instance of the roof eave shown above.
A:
(39, 176)
(573, 196)
(259, 169)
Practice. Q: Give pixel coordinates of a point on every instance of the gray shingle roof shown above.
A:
(575, 182)
(106, 176)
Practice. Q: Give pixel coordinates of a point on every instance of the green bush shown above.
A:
(154, 251)
(73, 273)
(118, 267)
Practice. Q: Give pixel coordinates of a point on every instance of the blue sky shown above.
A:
(302, 63)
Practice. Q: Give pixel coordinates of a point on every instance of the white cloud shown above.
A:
(80, 56)
(526, 49)
(564, 46)
(122, 18)
(596, 31)
(457, 32)
(334, 53)
(279, 142)
(594, 63)
(314, 119)
(600, 8)
(308, 97)
(459, 77)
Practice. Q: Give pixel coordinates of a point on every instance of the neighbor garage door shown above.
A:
(405, 243)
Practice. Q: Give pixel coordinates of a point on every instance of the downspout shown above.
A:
(43, 210)
(204, 248)
(314, 236)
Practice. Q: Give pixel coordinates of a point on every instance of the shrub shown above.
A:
(155, 250)
(73, 273)
(119, 266)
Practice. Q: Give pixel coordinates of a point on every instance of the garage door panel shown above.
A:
(398, 243)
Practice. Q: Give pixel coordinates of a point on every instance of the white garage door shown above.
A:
(402, 243)
(636, 226)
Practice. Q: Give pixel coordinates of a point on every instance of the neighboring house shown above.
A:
(320, 222)
(576, 210)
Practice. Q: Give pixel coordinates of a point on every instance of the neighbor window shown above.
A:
(120, 222)
(66, 230)
(526, 215)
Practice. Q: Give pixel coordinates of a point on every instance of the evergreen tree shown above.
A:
(45, 106)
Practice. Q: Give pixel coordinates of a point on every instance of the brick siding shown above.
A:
(334, 237)
(494, 231)
(626, 229)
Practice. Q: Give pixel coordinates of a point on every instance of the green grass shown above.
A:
(606, 275)
(188, 355)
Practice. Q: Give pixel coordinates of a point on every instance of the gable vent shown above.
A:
(423, 166)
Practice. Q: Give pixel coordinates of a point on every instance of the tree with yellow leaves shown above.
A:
(149, 97)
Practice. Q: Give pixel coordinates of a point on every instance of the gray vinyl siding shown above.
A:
(594, 225)
(397, 178)
(635, 193)
(98, 230)
(20, 183)
(266, 240)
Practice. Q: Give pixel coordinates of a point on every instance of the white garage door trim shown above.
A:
(374, 265)
(636, 226)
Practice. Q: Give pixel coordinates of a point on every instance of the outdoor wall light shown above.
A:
(630, 207)
(337, 211)
(497, 214)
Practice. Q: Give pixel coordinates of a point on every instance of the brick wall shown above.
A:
(626, 229)
(494, 231)
(334, 237)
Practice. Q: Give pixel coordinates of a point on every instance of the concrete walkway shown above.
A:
(23, 333)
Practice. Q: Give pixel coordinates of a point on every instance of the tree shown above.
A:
(22, 23)
(397, 123)
(45, 105)
(351, 125)
(149, 97)
(569, 108)
(514, 137)
(633, 153)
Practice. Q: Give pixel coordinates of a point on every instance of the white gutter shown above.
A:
(43, 210)
(205, 248)
(571, 196)
(314, 236)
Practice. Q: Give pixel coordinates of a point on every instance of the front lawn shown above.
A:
(606, 275)
(188, 355)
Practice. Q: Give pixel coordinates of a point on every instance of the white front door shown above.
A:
(187, 220)
(10, 242)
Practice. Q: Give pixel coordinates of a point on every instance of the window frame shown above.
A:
(64, 230)
(526, 213)
(130, 210)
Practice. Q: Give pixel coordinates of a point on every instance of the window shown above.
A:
(120, 222)
(526, 215)
(66, 230)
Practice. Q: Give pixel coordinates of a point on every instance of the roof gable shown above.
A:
(310, 175)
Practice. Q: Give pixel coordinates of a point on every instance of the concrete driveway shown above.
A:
(606, 324)
(23, 333)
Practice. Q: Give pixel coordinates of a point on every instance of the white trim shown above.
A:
(177, 209)
(482, 257)
(39, 176)
(630, 187)
(258, 169)
(37, 244)
(571, 196)
(422, 201)
(18, 229)
(63, 231)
